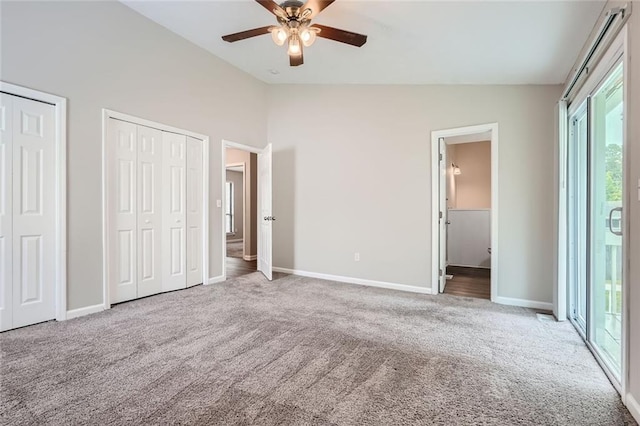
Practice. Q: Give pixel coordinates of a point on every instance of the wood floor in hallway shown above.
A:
(469, 282)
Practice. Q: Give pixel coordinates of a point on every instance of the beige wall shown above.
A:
(355, 175)
(237, 156)
(473, 185)
(451, 178)
(104, 55)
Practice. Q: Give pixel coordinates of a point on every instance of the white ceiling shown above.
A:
(410, 42)
(475, 137)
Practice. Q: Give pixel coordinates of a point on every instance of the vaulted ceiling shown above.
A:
(409, 42)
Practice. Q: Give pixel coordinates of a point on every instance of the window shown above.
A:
(229, 213)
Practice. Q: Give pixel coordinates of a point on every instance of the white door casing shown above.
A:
(156, 175)
(34, 216)
(265, 255)
(442, 194)
(194, 211)
(6, 212)
(174, 215)
(149, 211)
(122, 184)
(436, 248)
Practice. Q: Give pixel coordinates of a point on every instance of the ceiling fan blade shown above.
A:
(342, 36)
(273, 7)
(246, 34)
(316, 6)
(297, 60)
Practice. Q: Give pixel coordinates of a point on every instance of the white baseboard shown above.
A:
(235, 241)
(633, 406)
(469, 266)
(251, 257)
(524, 303)
(216, 280)
(359, 281)
(87, 310)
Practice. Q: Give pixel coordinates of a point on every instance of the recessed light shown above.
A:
(274, 71)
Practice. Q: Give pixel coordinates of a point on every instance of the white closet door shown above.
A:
(6, 212)
(122, 192)
(194, 211)
(149, 211)
(34, 230)
(173, 211)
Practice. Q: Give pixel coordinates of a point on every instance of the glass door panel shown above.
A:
(606, 227)
(577, 191)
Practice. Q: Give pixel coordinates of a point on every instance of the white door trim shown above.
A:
(106, 115)
(223, 152)
(435, 199)
(60, 105)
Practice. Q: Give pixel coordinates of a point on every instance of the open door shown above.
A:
(442, 222)
(265, 263)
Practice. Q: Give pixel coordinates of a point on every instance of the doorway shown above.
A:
(464, 223)
(247, 215)
(241, 212)
(596, 212)
(32, 207)
(156, 198)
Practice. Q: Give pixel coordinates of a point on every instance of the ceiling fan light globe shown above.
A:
(279, 35)
(294, 46)
(308, 37)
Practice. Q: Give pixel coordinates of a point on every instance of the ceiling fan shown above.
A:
(295, 28)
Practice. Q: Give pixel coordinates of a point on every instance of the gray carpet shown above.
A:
(303, 351)
(235, 249)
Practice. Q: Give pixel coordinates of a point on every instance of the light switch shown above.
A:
(218, 203)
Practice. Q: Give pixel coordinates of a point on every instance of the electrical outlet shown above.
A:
(356, 257)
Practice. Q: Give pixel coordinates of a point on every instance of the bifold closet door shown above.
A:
(149, 211)
(194, 211)
(174, 274)
(122, 190)
(27, 212)
(6, 212)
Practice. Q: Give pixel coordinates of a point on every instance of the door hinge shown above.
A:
(440, 272)
(440, 215)
(440, 157)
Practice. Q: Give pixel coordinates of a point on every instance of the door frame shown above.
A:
(60, 119)
(435, 199)
(618, 51)
(223, 152)
(106, 115)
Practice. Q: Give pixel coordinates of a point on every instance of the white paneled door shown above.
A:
(155, 210)
(27, 212)
(173, 211)
(122, 189)
(194, 211)
(265, 255)
(149, 217)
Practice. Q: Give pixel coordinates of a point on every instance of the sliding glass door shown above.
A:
(596, 226)
(606, 224)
